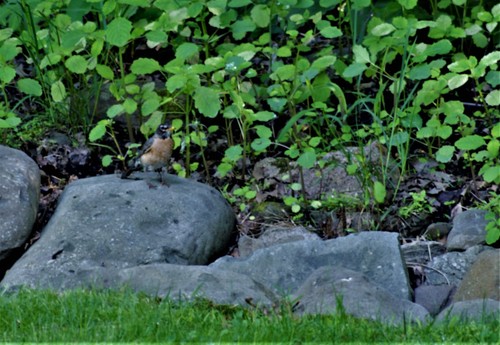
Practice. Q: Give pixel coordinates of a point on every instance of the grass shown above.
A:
(124, 316)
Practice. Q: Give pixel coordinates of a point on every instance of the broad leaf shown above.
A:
(207, 101)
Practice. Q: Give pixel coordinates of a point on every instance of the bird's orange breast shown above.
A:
(158, 155)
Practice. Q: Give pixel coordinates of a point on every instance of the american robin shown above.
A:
(155, 153)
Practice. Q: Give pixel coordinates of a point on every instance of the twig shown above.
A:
(431, 268)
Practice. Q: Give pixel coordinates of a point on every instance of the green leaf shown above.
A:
(260, 144)
(10, 122)
(241, 27)
(400, 138)
(314, 141)
(261, 15)
(286, 72)
(408, 4)
(176, 82)
(493, 98)
(130, 106)
(149, 106)
(115, 110)
(263, 131)
(379, 192)
(493, 78)
(307, 159)
(76, 64)
(186, 51)
(30, 87)
(50, 59)
(264, 116)
(144, 66)
(5, 33)
(233, 153)
(361, 54)
(493, 147)
(445, 153)
(492, 236)
(7, 74)
(284, 52)
(106, 160)
(491, 174)
(495, 131)
(58, 91)
(382, 29)
(420, 72)
(9, 50)
(99, 130)
(444, 132)
(439, 48)
(207, 101)
(118, 32)
(324, 62)
(238, 3)
(105, 71)
(456, 81)
(330, 32)
(139, 3)
(360, 4)
(328, 3)
(470, 142)
(354, 70)
(276, 104)
(157, 36)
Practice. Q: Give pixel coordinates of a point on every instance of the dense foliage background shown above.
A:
(244, 80)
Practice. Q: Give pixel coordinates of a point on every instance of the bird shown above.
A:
(155, 153)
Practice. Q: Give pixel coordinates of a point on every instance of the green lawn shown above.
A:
(118, 317)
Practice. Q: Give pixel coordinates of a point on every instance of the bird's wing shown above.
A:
(147, 146)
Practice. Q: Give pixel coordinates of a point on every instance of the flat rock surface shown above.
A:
(285, 267)
(360, 297)
(180, 282)
(108, 222)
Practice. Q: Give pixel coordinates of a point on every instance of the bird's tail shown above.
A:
(133, 165)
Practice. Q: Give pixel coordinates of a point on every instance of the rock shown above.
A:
(477, 310)
(421, 252)
(108, 222)
(322, 182)
(436, 231)
(272, 236)
(434, 298)
(450, 268)
(482, 279)
(285, 267)
(469, 229)
(360, 297)
(19, 196)
(180, 282)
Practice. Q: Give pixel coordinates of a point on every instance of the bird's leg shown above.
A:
(162, 181)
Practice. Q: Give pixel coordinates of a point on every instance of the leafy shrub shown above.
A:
(296, 78)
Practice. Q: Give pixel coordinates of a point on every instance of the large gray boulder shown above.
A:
(19, 196)
(360, 297)
(108, 222)
(285, 267)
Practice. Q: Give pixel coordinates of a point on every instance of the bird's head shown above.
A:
(165, 130)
